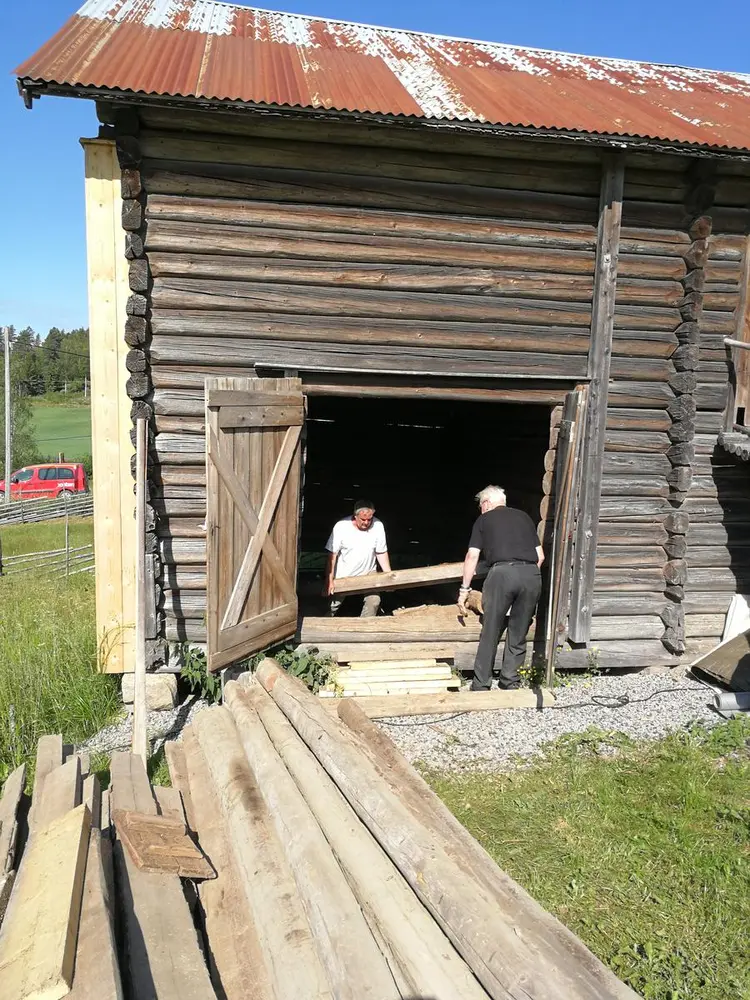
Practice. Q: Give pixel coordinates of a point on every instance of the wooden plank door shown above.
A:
(567, 480)
(253, 431)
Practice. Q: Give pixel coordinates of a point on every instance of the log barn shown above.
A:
(328, 259)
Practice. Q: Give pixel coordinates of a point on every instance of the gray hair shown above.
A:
(493, 494)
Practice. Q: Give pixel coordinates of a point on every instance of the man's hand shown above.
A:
(328, 587)
(461, 601)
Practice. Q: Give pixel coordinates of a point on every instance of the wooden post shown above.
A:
(140, 735)
(114, 525)
(600, 354)
(67, 539)
(8, 466)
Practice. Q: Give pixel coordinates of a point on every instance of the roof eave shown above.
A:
(30, 89)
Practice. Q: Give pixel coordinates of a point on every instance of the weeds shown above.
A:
(313, 668)
(49, 681)
(641, 849)
(196, 673)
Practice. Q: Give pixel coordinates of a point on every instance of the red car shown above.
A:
(39, 481)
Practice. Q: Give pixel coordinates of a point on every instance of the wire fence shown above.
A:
(31, 511)
(58, 562)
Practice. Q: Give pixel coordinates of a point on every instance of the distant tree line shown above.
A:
(59, 363)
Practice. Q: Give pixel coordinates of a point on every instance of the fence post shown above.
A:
(67, 539)
(8, 416)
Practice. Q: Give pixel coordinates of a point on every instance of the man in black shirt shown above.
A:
(508, 541)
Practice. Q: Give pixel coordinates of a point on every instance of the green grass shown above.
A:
(60, 427)
(48, 677)
(645, 853)
(44, 536)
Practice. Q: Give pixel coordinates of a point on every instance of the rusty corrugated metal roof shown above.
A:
(222, 52)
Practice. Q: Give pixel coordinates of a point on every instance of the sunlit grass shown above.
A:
(49, 681)
(643, 851)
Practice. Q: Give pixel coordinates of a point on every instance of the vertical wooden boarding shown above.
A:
(111, 448)
(600, 355)
(140, 733)
(567, 486)
(253, 430)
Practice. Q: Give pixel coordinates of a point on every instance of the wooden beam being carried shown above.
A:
(600, 354)
(399, 579)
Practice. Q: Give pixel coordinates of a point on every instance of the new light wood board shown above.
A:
(38, 940)
(114, 525)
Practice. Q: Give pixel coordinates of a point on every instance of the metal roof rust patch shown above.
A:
(223, 52)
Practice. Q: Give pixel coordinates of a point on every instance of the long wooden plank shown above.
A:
(97, 972)
(354, 965)
(62, 792)
(38, 941)
(49, 755)
(286, 941)
(602, 324)
(399, 579)
(423, 957)
(447, 703)
(237, 965)
(114, 525)
(507, 939)
(9, 805)
(9, 825)
(161, 945)
(140, 744)
(728, 662)
(178, 773)
(389, 629)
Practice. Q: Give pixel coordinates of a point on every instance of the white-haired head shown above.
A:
(491, 496)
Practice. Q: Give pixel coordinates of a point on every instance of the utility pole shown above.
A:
(6, 339)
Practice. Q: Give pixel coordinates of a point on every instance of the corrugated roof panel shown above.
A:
(218, 51)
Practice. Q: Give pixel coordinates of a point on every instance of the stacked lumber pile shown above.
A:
(318, 866)
(82, 864)
(388, 677)
(342, 875)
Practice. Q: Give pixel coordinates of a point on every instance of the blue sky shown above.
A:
(42, 249)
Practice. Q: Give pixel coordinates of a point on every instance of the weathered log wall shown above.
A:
(676, 476)
(440, 266)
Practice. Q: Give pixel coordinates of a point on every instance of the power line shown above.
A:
(49, 347)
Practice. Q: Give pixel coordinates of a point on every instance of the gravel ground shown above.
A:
(491, 741)
(161, 726)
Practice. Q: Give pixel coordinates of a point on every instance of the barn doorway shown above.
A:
(421, 462)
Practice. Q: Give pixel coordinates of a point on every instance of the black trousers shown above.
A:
(509, 586)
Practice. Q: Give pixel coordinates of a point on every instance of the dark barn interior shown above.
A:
(421, 463)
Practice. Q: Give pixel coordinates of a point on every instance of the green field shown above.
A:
(62, 428)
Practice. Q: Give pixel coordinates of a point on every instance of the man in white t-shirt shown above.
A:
(357, 546)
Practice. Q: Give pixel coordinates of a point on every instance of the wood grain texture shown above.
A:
(354, 965)
(602, 322)
(472, 911)
(38, 941)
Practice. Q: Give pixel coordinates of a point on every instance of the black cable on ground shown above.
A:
(611, 701)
